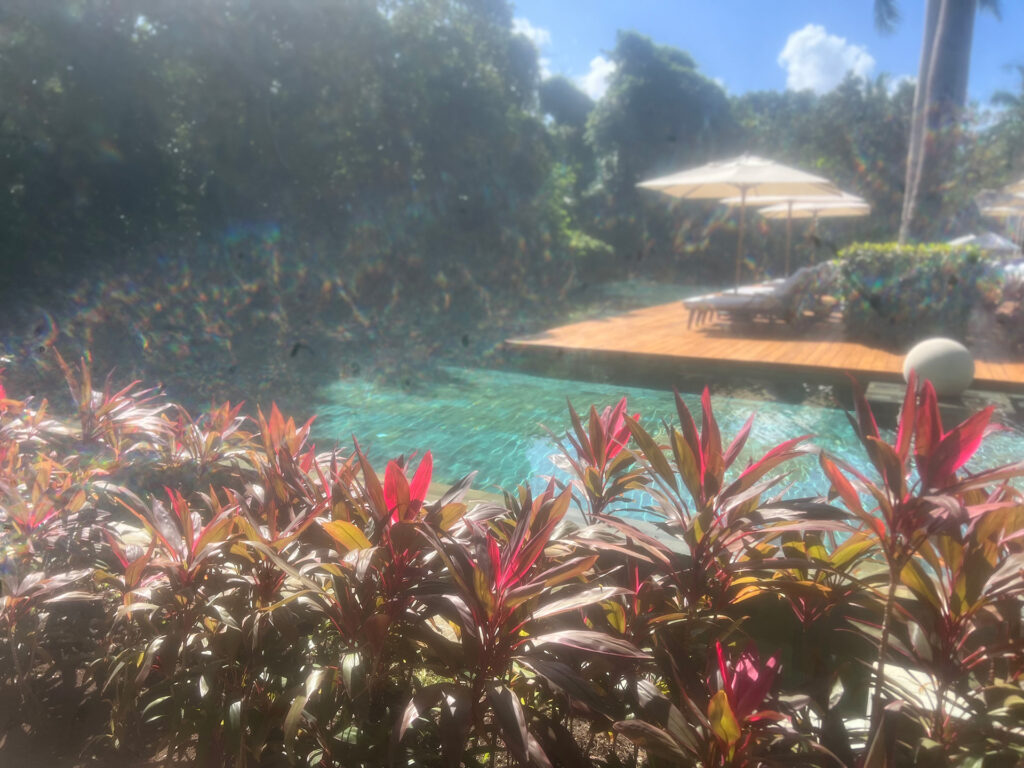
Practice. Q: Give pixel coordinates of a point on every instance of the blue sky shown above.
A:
(739, 42)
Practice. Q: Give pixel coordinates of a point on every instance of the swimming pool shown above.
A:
(493, 422)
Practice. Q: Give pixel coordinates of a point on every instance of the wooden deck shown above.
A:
(654, 346)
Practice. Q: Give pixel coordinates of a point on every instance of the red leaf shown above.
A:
(421, 480)
(888, 464)
(497, 569)
(842, 486)
(597, 439)
(563, 678)
(957, 447)
(689, 429)
(615, 430)
(396, 490)
(582, 441)
(929, 425)
(371, 482)
(865, 416)
(711, 447)
(596, 642)
(773, 458)
(908, 418)
(512, 721)
(753, 681)
(723, 669)
(738, 442)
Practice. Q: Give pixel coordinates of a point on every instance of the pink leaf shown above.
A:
(396, 490)
(421, 480)
(928, 426)
(957, 447)
(738, 442)
(908, 417)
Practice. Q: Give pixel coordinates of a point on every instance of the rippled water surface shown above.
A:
(494, 422)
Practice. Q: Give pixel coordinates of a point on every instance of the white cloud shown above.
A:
(897, 82)
(539, 36)
(819, 61)
(595, 82)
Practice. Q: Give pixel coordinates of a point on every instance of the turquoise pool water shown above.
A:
(493, 422)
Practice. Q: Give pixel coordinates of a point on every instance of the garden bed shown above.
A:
(215, 591)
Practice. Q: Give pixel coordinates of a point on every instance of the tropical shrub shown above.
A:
(1008, 305)
(898, 295)
(222, 593)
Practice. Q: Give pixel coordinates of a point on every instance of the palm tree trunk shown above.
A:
(938, 104)
(917, 123)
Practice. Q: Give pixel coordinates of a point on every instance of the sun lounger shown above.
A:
(804, 295)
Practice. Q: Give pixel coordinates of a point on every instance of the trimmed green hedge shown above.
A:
(897, 295)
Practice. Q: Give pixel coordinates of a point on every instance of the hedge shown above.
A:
(899, 294)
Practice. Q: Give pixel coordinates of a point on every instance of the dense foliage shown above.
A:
(223, 594)
(901, 294)
(405, 152)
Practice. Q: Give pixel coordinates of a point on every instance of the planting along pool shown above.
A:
(494, 422)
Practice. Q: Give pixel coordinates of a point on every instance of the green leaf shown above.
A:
(154, 704)
(654, 455)
(920, 583)
(234, 718)
(293, 718)
(687, 463)
(346, 534)
(723, 721)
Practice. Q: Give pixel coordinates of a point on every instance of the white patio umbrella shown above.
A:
(1011, 208)
(744, 176)
(845, 206)
(1016, 188)
(796, 207)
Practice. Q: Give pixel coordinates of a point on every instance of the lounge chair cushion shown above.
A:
(804, 292)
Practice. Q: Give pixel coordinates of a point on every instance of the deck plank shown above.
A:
(816, 353)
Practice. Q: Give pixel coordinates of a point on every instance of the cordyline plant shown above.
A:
(217, 592)
(926, 513)
(601, 471)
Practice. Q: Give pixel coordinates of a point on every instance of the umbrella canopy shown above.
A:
(763, 201)
(806, 207)
(1003, 211)
(1017, 188)
(847, 205)
(1010, 210)
(1001, 204)
(744, 176)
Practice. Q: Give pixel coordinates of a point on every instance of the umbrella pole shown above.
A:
(739, 242)
(814, 244)
(789, 234)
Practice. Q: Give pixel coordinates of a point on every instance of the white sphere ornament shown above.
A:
(946, 363)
